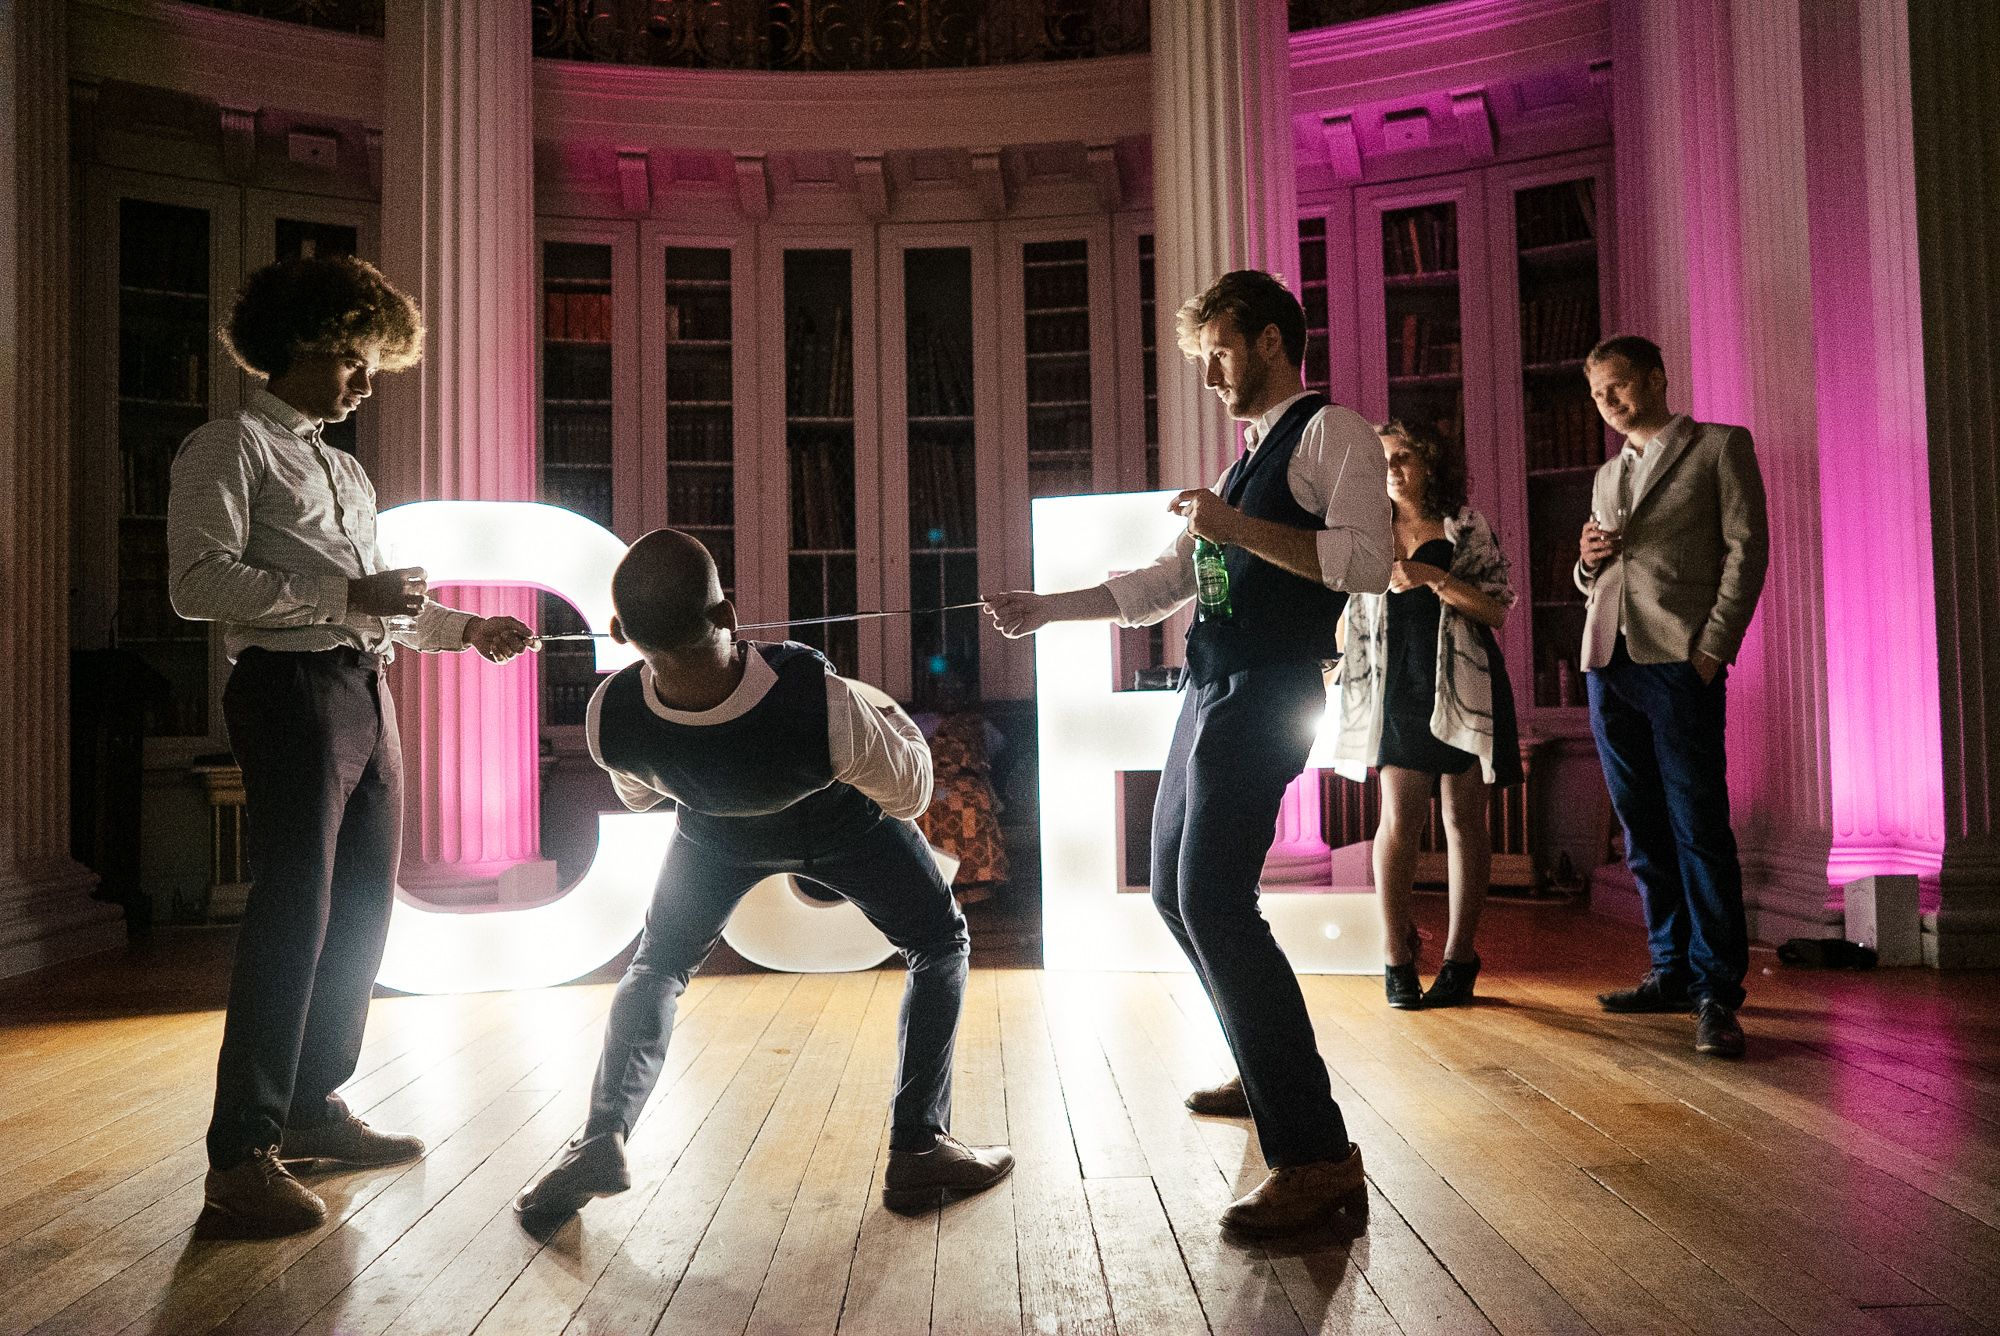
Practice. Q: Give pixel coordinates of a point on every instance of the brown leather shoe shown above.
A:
(261, 1196)
(588, 1169)
(1297, 1196)
(349, 1140)
(915, 1178)
(1225, 1100)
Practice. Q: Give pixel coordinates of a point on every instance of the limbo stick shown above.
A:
(795, 621)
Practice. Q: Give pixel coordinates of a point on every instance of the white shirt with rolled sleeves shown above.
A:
(266, 524)
(1338, 473)
(879, 751)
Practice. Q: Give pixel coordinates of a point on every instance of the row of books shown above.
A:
(700, 435)
(1420, 241)
(819, 367)
(170, 368)
(576, 438)
(700, 497)
(577, 315)
(565, 703)
(1057, 285)
(940, 372)
(1558, 329)
(163, 247)
(1065, 381)
(822, 486)
(588, 494)
(1552, 565)
(706, 378)
(943, 497)
(698, 315)
(1060, 331)
(147, 468)
(1061, 430)
(1552, 215)
(1558, 682)
(570, 372)
(1564, 433)
(1426, 345)
(146, 613)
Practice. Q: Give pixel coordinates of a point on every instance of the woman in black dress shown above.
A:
(1425, 697)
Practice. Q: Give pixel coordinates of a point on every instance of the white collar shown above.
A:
(1268, 419)
(261, 400)
(1676, 424)
(758, 679)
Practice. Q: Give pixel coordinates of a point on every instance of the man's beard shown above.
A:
(1250, 389)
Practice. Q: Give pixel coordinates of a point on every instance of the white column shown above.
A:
(458, 234)
(1955, 106)
(1225, 193)
(46, 913)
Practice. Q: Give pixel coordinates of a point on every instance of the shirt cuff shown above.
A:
(330, 598)
(452, 632)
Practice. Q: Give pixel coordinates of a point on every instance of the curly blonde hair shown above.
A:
(327, 304)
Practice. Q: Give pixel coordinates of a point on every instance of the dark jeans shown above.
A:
(1659, 735)
(315, 735)
(889, 876)
(1239, 743)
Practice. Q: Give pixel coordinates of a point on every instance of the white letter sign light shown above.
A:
(450, 951)
(1089, 733)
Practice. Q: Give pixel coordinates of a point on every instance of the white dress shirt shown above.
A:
(879, 751)
(1637, 463)
(266, 524)
(1337, 472)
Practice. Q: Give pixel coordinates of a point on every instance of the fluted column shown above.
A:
(457, 233)
(46, 913)
(1955, 111)
(1881, 625)
(1225, 195)
(1716, 266)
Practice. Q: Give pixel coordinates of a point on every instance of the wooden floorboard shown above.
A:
(1535, 1165)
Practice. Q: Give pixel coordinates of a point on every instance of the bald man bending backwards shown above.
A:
(777, 765)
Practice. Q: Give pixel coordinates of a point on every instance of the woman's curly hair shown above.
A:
(327, 304)
(1443, 494)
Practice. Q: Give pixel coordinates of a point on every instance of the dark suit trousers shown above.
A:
(888, 874)
(1659, 736)
(315, 735)
(1239, 743)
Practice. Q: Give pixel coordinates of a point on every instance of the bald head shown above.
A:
(666, 592)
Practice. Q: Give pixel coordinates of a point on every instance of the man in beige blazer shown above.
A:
(1672, 560)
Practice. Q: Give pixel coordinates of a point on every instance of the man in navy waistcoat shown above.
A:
(777, 765)
(1303, 520)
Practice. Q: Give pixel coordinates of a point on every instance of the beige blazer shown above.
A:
(1695, 548)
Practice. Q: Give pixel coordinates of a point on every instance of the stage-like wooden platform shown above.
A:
(1536, 1167)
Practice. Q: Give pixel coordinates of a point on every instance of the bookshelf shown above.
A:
(1423, 323)
(1146, 646)
(577, 455)
(943, 472)
(822, 575)
(1055, 284)
(1312, 289)
(166, 307)
(1557, 294)
(699, 325)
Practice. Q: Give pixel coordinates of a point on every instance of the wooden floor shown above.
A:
(1536, 1167)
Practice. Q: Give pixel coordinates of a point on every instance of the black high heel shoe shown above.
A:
(1400, 982)
(1453, 985)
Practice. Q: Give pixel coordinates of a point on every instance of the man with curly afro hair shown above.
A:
(271, 532)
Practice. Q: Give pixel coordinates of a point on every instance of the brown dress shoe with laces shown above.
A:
(260, 1196)
(1225, 1100)
(1298, 1196)
(349, 1140)
(915, 1178)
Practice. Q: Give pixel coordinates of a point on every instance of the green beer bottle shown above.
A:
(1211, 583)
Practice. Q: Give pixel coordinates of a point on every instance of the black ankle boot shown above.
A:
(1406, 991)
(1453, 985)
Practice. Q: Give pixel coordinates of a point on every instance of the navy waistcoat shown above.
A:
(1278, 616)
(760, 784)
